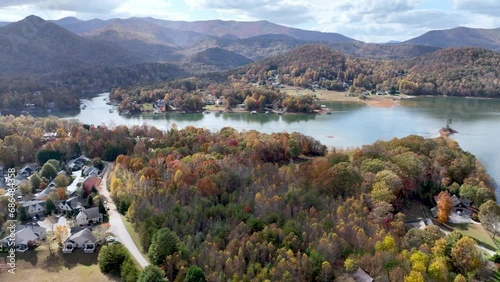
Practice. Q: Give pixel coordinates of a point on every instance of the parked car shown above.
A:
(110, 239)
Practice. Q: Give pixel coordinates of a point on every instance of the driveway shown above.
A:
(116, 223)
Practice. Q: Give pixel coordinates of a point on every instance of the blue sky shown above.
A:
(366, 20)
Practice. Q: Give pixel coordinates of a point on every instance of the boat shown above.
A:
(206, 112)
(156, 112)
(267, 112)
(253, 112)
(110, 110)
(329, 113)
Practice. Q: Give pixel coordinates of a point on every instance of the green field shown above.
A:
(477, 232)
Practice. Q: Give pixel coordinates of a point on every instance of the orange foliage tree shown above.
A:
(444, 206)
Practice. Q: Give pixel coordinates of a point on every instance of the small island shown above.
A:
(447, 130)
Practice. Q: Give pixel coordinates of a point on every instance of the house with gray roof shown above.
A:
(83, 239)
(73, 204)
(25, 235)
(34, 207)
(89, 216)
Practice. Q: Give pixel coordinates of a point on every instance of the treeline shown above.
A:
(190, 95)
(452, 71)
(251, 207)
(63, 89)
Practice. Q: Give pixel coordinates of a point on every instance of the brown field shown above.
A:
(41, 266)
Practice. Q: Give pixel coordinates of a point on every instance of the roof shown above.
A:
(81, 237)
(420, 224)
(32, 203)
(454, 199)
(92, 212)
(361, 276)
(23, 236)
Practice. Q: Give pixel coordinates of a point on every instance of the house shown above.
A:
(28, 170)
(74, 205)
(90, 171)
(50, 136)
(34, 207)
(25, 235)
(88, 216)
(460, 206)
(80, 240)
(361, 276)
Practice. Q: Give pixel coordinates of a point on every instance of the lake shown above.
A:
(351, 125)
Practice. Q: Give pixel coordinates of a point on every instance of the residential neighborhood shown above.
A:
(54, 197)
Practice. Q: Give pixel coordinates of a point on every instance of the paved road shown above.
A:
(116, 223)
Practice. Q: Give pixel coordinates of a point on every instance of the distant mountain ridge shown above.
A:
(50, 48)
(460, 37)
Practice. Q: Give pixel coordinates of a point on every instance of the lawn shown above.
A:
(477, 232)
(42, 266)
(322, 95)
(147, 107)
(134, 235)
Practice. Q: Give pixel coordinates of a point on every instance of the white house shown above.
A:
(83, 239)
(88, 216)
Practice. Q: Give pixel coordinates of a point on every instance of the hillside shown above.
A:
(452, 71)
(234, 29)
(151, 33)
(460, 37)
(215, 59)
(52, 49)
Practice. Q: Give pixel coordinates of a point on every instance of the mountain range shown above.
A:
(34, 46)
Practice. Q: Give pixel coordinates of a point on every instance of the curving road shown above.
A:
(116, 223)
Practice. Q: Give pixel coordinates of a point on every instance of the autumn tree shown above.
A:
(444, 205)
(61, 181)
(61, 232)
(489, 215)
(465, 256)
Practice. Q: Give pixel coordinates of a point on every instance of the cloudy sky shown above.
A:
(366, 20)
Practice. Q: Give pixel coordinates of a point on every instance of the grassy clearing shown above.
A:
(42, 266)
(134, 235)
(322, 95)
(147, 107)
(477, 232)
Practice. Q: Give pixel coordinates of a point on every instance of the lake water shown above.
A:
(351, 124)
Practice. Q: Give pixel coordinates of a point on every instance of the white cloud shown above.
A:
(487, 7)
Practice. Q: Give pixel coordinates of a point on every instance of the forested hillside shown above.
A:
(252, 206)
(454, 71)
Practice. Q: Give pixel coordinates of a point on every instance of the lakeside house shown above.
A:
(83, 239)
(462, 207)
(25, 235)
(88, 216)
